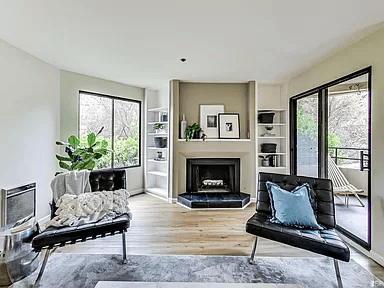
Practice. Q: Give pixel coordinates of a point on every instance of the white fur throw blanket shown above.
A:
(90, 207)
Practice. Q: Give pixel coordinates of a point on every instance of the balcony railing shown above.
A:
(363, 156)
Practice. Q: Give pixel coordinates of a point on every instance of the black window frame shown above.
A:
(322, 92)
(113, 98)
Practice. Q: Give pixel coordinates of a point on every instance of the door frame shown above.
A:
(322, 92)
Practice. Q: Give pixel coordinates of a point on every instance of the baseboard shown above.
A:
(371, 254)
(44, 220)
(157, 196)
(253, 199)
(135, 192)
(172, 200)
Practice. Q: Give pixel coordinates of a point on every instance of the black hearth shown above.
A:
(213, 183)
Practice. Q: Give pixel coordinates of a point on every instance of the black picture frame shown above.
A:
(229, 125)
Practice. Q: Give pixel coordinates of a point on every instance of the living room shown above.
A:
(53, 54)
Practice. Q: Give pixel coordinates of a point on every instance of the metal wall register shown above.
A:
(18, 227)
(17, 203)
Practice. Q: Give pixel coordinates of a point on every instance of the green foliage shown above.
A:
(103, 160)
(333, 141)
(82, 156)
(158, 126)
(307, 126)
(190, 130)
(126, 151)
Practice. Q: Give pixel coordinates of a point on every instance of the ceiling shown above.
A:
(141, 42)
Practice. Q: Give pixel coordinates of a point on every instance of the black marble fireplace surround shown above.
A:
(213, 183)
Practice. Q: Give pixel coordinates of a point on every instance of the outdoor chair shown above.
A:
(340, 184)
(325, 242)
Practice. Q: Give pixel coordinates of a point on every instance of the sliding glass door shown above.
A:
(331, 129)
(307, 136)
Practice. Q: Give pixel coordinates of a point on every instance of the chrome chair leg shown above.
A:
(47, 253)
(124, 250)
(339, 283)
(251, 260)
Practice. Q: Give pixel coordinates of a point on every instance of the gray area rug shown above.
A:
(85, 270)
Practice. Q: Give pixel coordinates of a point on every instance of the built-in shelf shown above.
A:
(158, 109)
(216, 140)
(271, 169)
(158, 122)
(159, 134)
(271, 124)
(271, 137)
(158, 173)
(278, 153)
(276, 110)
(155, 148)
(157, 161)
(157, 190)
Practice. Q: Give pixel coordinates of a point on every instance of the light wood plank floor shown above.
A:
(163, 228)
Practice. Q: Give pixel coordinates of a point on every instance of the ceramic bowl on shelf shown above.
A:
(265, 117)
(268, 147)
(160, 142)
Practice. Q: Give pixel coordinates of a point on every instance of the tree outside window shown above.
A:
(121, 120)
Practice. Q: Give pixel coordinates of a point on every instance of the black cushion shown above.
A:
(62, 235)
(100, 180)
(322, 192)
(326, 242)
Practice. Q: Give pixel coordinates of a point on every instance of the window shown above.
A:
(121, 121)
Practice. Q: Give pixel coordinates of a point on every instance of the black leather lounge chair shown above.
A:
(325, 242)
(100, 180)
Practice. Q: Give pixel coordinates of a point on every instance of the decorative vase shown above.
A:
(183, 125)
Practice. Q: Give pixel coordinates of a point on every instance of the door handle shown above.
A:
(362, 155)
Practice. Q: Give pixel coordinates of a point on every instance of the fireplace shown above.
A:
(213, 175)
(213, 183)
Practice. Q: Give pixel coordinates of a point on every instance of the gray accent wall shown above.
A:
(236, 97)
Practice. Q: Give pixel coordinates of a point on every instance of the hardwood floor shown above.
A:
(159, 227)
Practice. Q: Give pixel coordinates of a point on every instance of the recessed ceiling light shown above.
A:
(183, 60)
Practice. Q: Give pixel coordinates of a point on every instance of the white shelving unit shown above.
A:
(156, 171)
(269, 100)
(279, 138)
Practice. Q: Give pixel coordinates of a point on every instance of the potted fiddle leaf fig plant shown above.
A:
(82, 157)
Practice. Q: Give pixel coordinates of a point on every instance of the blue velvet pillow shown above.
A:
(292, 208)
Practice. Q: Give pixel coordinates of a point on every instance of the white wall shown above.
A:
(70, 85)
(366, 52)
(30, 122)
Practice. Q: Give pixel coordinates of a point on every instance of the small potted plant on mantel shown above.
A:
(194, 132)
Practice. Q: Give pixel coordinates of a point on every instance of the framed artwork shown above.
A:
(209, 119)
(229, 125)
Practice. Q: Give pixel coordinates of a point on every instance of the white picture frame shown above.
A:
(209, 120)
(229, 125)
